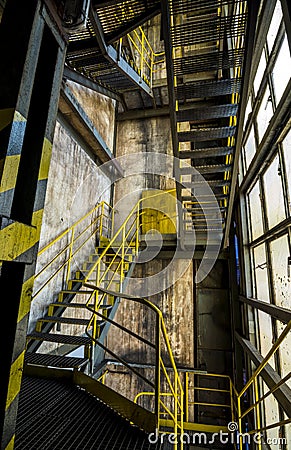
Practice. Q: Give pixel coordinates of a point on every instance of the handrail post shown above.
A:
(239, 422)
(257, 410)
(137, 230)
(68, 275)
(231, 392)
(112, 223)
(158, 371)
(176, 410)
(122, 256)
(102, 218)
(186, 396)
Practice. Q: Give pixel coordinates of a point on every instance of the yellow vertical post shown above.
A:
(102, 218)
(137, 230)
(187, 396)
(239, 421)
(176, 410)
(122, 255)
(142, 54)
(257, 411)
(231, 400)
(68, 275)
(111, 232)
(158, 370)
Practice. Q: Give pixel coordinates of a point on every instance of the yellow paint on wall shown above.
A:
(26, 297)
(15, 379)
(45, 160)
(9, 174)
(10, 446)
(159, 211)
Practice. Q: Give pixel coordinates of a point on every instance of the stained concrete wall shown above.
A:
(99, 109)
(74, 188)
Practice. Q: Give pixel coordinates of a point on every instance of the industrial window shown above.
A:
(266, 194)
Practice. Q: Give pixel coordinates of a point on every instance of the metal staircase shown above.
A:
(205, 52)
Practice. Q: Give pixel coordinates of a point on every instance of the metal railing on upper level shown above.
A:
(61, 251)
(167, 384)
(146, 60)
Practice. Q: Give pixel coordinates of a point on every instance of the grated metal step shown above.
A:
(46, 360)
(208, 152)
(200, 89)
(68, 320)
(60, 338)
(209, 112)
(77, 305)
(206, 134)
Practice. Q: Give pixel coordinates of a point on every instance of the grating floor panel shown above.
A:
(57, 416)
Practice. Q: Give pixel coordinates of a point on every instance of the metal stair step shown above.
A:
(206, 134)
(60, 338)
(68, 320)
(207, 152)
(44, 359)
(213, 168)
(77, 305)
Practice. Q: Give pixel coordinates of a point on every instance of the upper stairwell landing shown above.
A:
(111, 50)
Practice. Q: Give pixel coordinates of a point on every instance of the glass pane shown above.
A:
(287, 157)
(274, 25)
(248, 110)
(282, 289)
(285, 352)
(282, 281)
(274, 193)
(266, 335)
(260, 72)
(282, 70)
(255, 207)
(265, 113)
(272, 417)
(261, 274)
(250, 148)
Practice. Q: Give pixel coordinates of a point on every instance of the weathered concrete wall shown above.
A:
(100, 110)
(74, 188)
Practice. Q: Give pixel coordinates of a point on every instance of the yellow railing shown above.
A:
(70, 242)
(199, 379)
(145, 58)
(167, 382)
(253, 411)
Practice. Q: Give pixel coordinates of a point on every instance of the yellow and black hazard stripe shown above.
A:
(13, 121)
(29, 246)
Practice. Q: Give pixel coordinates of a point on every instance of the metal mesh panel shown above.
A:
(208, 29)
(200, 89)
(211, 112)
(206, 134)
(208, 62)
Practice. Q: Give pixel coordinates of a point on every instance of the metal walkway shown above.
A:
(96, 50)
(56, 415)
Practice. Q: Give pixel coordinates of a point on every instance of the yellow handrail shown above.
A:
(254, 408)
(98, 224)
(175, 389)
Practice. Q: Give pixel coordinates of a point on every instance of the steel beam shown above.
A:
(113, 56)
(282, 314)
(77, 77)
(270, 377)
